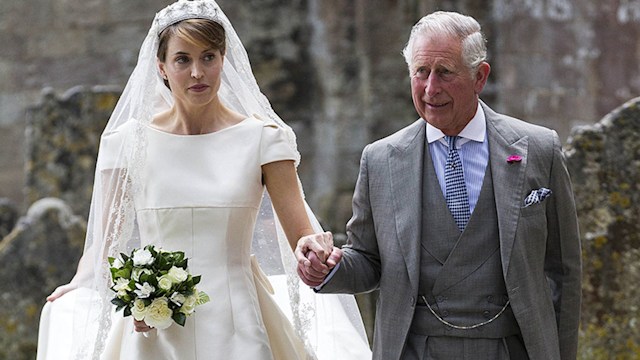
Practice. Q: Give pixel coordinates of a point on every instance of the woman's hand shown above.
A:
(316, 256)
(61, 290)
(141, 326)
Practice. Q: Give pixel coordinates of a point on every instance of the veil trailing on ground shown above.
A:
(112, 227)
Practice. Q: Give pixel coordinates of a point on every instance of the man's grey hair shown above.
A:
(462, 27)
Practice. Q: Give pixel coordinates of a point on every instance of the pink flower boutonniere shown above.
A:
(514, 159)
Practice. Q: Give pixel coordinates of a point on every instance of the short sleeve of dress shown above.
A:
(112, 146)
(275, 145)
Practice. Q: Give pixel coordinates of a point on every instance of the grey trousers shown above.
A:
(422, 347)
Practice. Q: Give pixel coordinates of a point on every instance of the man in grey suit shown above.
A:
(464, 220)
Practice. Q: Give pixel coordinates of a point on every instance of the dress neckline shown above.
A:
(155, 129)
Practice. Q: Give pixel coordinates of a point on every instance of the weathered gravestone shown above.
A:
(37, 256)
(8, 217)
(604, 162)
(63, 135)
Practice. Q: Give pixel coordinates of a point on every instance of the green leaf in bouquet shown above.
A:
(162, 263)
(196, 279)
(179, 318)
(127, 311)
(125, 258)
(179, 260)
(203, 298)
(124, 273)
(152, 280)
(144, 277)
(119, 303)
(152, 250)
(113, 274)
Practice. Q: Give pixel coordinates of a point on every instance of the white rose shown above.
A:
(144, 290)
(189, 305)
(121, 284)
(138, 310)
(177, 275)
(158, 314)
(137, 272)
(177, 298)
(142, 257)
(164, 282)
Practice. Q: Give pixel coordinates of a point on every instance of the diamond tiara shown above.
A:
(186, 9)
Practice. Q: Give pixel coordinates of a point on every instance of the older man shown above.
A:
(464, 220)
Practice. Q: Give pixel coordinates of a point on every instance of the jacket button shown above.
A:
(490, 299)
(440, 298)
(445, 313)
(486, 314)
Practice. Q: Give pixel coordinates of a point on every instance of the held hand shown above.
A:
(61, 290)
(141, 326)
(313, 277)
(308, 274)
(316, 257)
(321, 245)
(312, 253)
(334, 257)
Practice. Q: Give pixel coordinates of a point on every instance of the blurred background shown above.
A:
(333, 70)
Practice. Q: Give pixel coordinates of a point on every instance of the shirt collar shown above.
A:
(476, 130)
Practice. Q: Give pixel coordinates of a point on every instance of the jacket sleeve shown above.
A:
(359, 269)
(563, 266)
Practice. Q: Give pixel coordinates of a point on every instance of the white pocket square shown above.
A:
(536, 196)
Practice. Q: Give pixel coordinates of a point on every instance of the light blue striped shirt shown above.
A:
(474, 153)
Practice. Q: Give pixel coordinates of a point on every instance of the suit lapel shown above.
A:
(405, 167)
(507, 179)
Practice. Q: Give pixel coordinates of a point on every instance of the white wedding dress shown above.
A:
(202, 197)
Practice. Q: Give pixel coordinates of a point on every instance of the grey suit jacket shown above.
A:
(539, 244)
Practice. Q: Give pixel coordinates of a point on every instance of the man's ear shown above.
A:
(481, 76)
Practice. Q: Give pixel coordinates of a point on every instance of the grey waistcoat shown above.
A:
(461, 274)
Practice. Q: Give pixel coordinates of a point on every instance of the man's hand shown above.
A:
(316, 256)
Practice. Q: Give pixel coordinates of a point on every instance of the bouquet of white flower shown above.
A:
(155, 286)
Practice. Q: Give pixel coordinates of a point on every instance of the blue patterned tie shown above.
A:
(456, 193)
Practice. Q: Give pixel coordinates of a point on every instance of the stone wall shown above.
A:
(563, 63)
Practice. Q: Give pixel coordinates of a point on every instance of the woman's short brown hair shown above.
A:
(199, 32)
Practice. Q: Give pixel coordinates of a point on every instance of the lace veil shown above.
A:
(112, 221)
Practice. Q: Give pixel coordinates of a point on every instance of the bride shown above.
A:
(183, 165)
